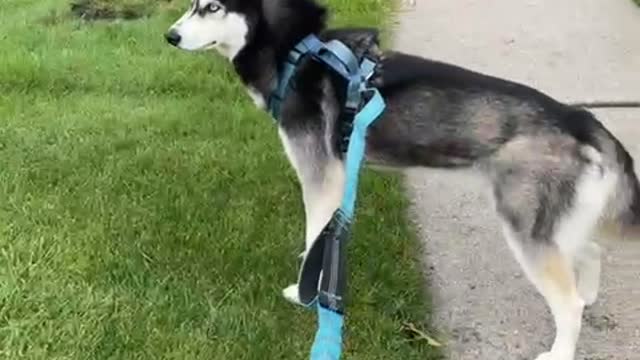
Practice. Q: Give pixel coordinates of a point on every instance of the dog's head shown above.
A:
(228, 26)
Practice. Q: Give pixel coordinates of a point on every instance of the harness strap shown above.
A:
(336, 56)
(342, 60)
(277, 96)
(357, 146)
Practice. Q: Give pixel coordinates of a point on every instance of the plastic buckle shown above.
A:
(331, 301)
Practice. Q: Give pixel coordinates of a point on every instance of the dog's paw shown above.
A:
(291, 294)
(552, 356)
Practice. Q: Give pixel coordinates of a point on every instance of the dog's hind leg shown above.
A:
(551, 272)
(550, 209)
(321, 177)
(588, 265)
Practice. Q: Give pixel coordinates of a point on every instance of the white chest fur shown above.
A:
(257, 98)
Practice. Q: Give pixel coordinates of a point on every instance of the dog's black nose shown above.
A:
(173, 37)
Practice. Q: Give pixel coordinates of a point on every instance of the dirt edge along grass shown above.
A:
(93, 10)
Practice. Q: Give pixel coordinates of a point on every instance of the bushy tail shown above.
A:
(623, 218)
(625, 223)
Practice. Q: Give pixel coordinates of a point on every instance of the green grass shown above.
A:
(147, 210)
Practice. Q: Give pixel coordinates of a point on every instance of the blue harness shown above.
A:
(327, 254)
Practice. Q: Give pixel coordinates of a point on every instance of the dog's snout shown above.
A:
(173, 37)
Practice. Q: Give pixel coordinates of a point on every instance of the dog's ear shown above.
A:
(288, 19)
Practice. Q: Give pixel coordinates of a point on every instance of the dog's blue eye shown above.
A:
(211, 8)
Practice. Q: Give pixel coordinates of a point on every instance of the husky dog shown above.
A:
(557, 174)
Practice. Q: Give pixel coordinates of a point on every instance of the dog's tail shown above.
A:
(621, 219)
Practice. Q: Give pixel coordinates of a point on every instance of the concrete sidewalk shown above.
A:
(574, 50)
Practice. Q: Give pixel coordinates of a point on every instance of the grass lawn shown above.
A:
(147, 210)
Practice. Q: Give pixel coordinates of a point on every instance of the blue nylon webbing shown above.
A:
(334, 54)
(327, 344)
(328, 341)
(356, 150)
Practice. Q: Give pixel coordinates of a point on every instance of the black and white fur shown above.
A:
(557, 174)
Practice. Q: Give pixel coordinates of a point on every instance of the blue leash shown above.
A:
(327, 254)
(328, 340)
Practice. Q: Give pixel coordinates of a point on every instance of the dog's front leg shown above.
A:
(322, 197)
(321, 175)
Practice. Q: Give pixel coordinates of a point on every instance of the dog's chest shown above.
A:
(257, 98)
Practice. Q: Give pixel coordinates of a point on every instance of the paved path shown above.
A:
(575, 50)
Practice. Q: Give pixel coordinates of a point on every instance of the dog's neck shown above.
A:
(259, 62)
(282, 25)
(256, 64)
